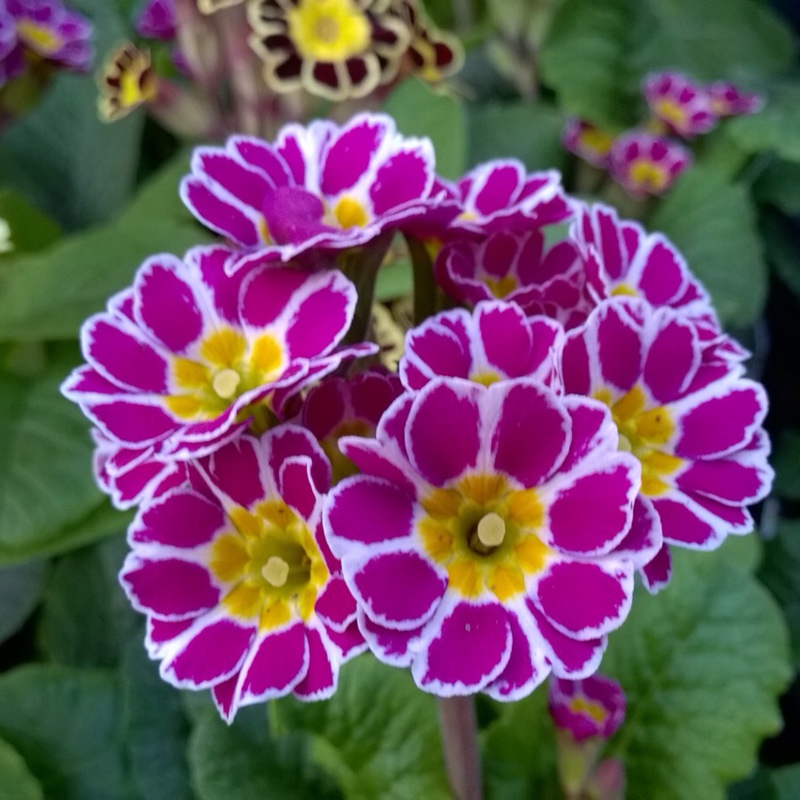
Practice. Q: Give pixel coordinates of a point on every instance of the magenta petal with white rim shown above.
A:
(240, 588)
(478, 577)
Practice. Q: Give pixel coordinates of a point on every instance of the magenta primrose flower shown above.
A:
(490, 536)
(497, 341)
(319, 186)
(594, 706)
(514, 267)
(728, 101)
(644, 163)
(502, 195)
(52, 32)
(241, 592)
(188, 357)
(682, 107)
(157, 20)
(587, 142)
(691, 419)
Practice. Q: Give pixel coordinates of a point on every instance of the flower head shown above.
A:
(682, 107)
(333, 48)
(645, 163)
(126, 82)
(241, 592)
(156, 20)
(497, 341)
(51, 32)
(433, 54)
(514, 267)
(502, 195)
(319, 186)
(729, 101)
(188, 357)
(594, 706)
(587, 142)
(689, 417)
(487, 538)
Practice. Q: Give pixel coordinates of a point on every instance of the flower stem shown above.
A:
(460, 744)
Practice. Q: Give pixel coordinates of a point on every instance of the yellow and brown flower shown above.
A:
(126, 82)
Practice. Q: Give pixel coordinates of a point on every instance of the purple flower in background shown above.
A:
(729, 101)
(682, 107)
(587, 142)
(491, 535)
(689, 416)
(241, 592)
(594, 706)
(157, 20)
(644, 163)
(188, 357)
(319, 186)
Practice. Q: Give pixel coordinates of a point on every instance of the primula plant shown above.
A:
(386, 398)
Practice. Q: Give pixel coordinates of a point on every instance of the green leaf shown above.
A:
(66, 724)
(596, 54)
(779, 185)
(780, 573)
(157, 729)
(519, 755)
(787, 465)
(73, 166)
(86, 620)
(244, 761)
(787, 782)
(394, 280)
(776, 127)
(20, 589)
(16, 782)
(712, 222)
(702, 664)
(418, 110)
(29, 229)
(780, 243)
(378, 736)
(530, 132)
(46, 483)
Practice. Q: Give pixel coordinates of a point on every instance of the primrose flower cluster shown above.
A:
(479, 515)
(42, 34)
(648, 159)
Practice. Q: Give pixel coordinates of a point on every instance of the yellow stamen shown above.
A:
(226, 382)
(275, 571)
(491, 530)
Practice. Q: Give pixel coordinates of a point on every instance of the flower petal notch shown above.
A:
(248, 579)
(189, 357)
(466, 539)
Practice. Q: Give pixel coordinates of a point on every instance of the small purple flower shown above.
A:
(319, 186)
(47, 28)
(502, 195)
(621, 259)
(497, 341)
(514, 267)
(231, 568)
(729, 101)
(156, 20)
(644, 163)
(682, 107)
(490, 536)
(587, 142)
(594, 706)
(188, 357)
(337, 407)
(686, 413)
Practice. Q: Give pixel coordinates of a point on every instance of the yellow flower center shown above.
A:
(596, 141)
(580, 705)
(644, 431)
(648, 175)
(501, 287)
(270, 564)
(134, 90)
(349, 213)
(225, 366)
(485, 533)
(328, 30)
(671, 112)
(40, 38)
